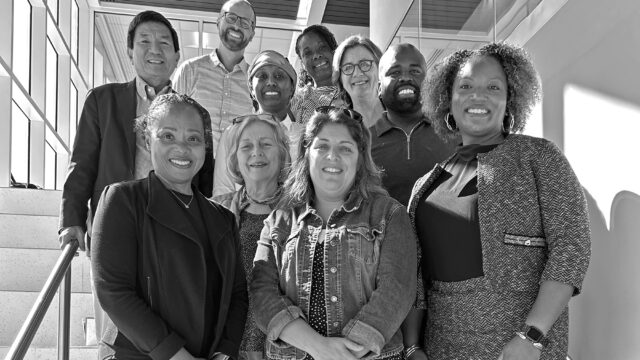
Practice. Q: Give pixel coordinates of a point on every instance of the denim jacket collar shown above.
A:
(353, 203)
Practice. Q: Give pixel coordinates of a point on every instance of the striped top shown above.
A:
(308, 98)
(224, 94)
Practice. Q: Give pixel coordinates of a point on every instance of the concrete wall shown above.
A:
(588, 56)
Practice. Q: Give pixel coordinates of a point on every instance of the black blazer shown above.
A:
(105, 149)
(150, 273)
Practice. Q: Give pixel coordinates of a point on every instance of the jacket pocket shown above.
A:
(364, 243)
(534, 241)
(522, 261)
(149, 293)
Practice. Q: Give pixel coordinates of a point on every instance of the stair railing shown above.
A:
(60, 278)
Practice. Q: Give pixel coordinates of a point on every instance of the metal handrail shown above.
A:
(61, 271)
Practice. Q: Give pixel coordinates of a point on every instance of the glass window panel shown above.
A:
(20, 125)
(210, 39)
(53, 7)
(22, 42)
(73, 113)
(50, 162)
(51, 84)
(75, 19)
(189, 38)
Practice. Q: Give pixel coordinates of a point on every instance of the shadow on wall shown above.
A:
(605, 318)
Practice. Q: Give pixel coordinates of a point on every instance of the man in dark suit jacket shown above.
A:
(107, 149)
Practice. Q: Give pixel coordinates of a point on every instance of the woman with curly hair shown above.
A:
(315, 47)
(502, 225)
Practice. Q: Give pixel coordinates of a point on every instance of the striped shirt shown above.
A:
(224, 94)
(308, 98)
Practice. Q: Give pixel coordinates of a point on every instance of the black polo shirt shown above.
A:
(405, 157)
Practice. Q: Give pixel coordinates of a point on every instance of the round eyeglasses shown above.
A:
(349, 68)
(232, 18)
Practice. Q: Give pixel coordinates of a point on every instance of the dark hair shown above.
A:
(151, 16)
(326, 35)
(348, 43)
(282, 142)
(162, 104)
(524, 88)
(298, 188)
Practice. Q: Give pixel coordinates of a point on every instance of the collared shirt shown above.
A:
(145, 94)
(222, 181)
(369, 250)
(405, 157)
(224, 94)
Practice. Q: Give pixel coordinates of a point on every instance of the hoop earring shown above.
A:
(451, 122)
(507, 129)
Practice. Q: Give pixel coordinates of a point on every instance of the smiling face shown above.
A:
(258, 154)
(316, 56)
(233, 36)
(359, 84)
(401, 75)
(273, 89)
(333, 162)
(177, 144)
(153, 55)
(479, 100)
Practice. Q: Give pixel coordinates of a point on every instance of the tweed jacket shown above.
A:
(534, 224)
(150, 273)
(104, 151)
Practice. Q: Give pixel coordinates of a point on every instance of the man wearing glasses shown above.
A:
(218, 80)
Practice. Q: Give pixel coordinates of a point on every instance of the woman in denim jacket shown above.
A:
(503, 224)
(335, 270)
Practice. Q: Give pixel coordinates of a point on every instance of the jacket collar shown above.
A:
(353, 203)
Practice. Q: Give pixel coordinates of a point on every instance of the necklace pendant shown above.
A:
(186, 206)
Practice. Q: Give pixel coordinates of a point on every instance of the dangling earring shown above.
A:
(508, 118)
(451, 122)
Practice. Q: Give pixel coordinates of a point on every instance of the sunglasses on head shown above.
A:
(348, 112)
(264, 117)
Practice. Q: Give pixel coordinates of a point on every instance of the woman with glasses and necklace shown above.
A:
(334, 272)
(258, 162)
(272, 81)
(355, 73)
(166, 261)
(315, 47)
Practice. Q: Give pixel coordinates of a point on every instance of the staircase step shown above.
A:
(20, 304)
(29, 231)
(30, 201)
(75, 353)
(28, 269)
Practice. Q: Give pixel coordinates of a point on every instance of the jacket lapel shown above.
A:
(162, 207)
(126, 116)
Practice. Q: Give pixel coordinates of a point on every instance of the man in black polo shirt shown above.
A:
(403, 141)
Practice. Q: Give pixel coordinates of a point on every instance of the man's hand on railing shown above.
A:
(72, 232)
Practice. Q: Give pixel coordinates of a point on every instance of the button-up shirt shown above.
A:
(224, 94)
(369, 257)
(145, 94)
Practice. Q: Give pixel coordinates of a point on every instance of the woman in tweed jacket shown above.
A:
(502, 224)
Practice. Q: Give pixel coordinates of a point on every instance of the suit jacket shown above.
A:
(105, 149)
(151, 276)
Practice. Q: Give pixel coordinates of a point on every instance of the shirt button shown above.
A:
(336, 324)
(334, 298)
(333, 225)
(226, 94)
(333, 243)
(333, 270)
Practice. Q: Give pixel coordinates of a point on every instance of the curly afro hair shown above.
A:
(524, 89)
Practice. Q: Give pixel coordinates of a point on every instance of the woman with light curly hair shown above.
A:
(502, 225)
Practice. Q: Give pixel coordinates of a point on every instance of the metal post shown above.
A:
(64, 314)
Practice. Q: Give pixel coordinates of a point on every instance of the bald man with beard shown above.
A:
(403, 142)
(218, 80)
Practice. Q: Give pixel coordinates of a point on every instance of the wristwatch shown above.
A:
(534, 335)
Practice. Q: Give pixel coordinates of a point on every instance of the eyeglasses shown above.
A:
(349, 68)
(348, 112)
(264, 117)
(232, 18)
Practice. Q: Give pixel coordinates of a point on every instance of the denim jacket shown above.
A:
(370, 273)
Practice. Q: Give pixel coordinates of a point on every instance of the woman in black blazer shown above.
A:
(166, 261)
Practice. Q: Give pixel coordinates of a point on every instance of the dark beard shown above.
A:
(402, 106)
(233, 44)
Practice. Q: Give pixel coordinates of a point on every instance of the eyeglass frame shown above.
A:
(238, 21)
(326, 109)
(365, 61)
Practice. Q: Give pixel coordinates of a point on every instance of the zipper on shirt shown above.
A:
(409, 138)
(149, 291)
